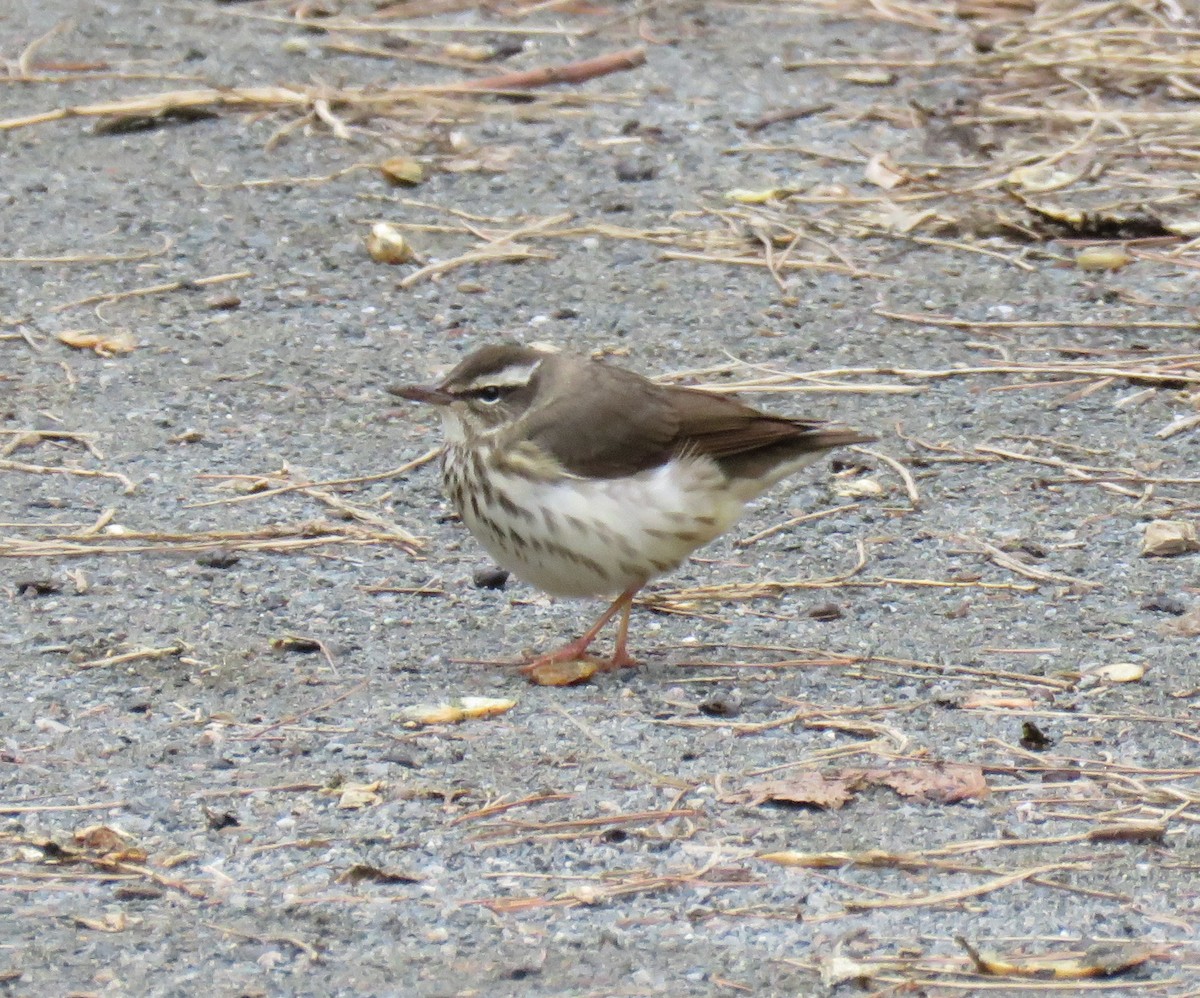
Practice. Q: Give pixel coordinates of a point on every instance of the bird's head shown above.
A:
(488, 390)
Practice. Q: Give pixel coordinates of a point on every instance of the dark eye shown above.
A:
(489, 395)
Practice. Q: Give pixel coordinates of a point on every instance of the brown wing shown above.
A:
(604, 422)
(599, 421)
(744, 441)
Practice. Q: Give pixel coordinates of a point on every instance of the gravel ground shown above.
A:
(226, 769)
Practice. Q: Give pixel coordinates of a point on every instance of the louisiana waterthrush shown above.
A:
(586, 479)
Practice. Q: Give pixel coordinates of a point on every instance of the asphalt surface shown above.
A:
(273, 824)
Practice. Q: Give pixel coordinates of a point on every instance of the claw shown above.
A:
(548, 669)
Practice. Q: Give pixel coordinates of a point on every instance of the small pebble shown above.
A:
(490, 577)
(633, 171)
(1166, 604)
(218, 558)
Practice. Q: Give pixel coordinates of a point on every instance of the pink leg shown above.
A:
(577, 649)
(621, 658)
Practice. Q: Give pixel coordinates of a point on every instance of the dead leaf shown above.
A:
(361, 872)
(898, 219)
(458, 709)
(103, 344)
(356, 795)
(1040, 178)
(402, 171)
(106, 844)
(1117, 672)
(1102, 258)
(1187, 626)
(102, 838)
(943, 783)
(841, 969)
(807, 788)
(859, 488)
(113, 921)
(564, 673)
(882, 172)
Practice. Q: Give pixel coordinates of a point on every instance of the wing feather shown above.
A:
(599, 421)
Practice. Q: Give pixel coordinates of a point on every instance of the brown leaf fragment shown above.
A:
(107, 846)
(1102, 258)
(402, 171)
(103, 344)
(102, 838)
(125, 856)
(1187, 626)
(1100, 960)
(361, 872)
(1115, 672)
(563, 673)
(945, 783)
(839, 969)
(882, 172)
(114, 921)
(808, 788)
(352, 796)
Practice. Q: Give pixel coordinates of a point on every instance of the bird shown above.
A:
(585, 479)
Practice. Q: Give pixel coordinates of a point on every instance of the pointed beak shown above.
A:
(421, 393)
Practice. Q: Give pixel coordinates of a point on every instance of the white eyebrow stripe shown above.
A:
(513, 376)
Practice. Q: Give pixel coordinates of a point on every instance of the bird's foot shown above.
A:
(563, 666)
(575, 651)
(570, 665)
(621, 660)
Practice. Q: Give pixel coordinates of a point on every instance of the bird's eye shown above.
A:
(489, 395)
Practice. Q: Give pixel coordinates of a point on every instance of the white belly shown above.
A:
(579, 537)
